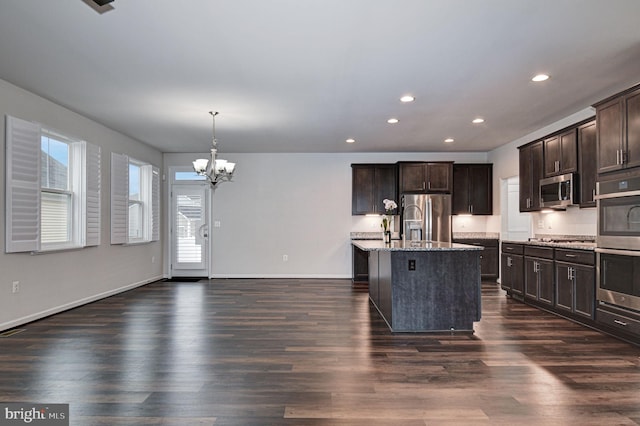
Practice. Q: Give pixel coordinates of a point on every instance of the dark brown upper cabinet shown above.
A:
(618, 131)
(425, 177)
(561, 154)
(531, 171)
(472, 189)
(372, 183)
(587, 163)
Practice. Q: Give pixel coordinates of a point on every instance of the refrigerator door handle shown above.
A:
(429, 220)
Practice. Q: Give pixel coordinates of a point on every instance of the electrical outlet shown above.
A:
(153, 259)
(216, 224)
(16, 287)
(285, 257)
(412, 264)
(540, 223)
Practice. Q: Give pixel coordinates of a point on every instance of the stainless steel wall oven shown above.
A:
(618, 242)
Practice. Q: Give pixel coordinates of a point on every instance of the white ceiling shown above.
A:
(302, 76)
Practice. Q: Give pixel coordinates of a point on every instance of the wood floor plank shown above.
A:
(313, 352)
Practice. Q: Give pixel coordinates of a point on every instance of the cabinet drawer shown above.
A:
(576, 256)
(618, 321)
(541, 252)
(512, 248)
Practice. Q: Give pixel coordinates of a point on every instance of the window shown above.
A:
(57, 215)
(187, 176)
(135, 201)
(52, 189)
(136, 206)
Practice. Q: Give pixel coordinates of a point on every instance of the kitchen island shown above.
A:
(424, 286)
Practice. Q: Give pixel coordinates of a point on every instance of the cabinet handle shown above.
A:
(429, 184)
(509, 261)
(556, 165)
(471, 209)
(571, 273)
(570, 255)
(618, 156)
(593, 194)
(536, 266)
(423, 185)
(623, 156)
(622, 323)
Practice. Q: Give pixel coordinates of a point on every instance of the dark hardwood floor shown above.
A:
(312, 352)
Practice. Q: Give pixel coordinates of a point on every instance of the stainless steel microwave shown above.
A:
(559, 191)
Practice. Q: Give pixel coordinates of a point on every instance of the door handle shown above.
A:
(204, 231)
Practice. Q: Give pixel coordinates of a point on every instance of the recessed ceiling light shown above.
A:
(448, 140)
(350, 140)
(392, 120)
(478, 120)
(540, 77)
(407, 98)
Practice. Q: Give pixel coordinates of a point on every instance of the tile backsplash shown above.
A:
(573, 221)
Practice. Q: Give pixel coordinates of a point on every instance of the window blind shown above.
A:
(155, 204)
(119, 198)
(22, 192)
(93, 194)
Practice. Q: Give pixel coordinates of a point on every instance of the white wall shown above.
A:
(57, 281)
(293, 204)
(505, 161)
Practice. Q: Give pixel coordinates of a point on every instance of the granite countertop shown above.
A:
(372, 235)
(576, 245)
(476, 235)
(401, 245)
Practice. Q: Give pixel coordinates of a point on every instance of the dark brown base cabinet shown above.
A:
(489, 257)
(512, 272)
(575, 282)
(563, 281)
(538, 274)
(360, 278)
(619, 322)
(575, 289)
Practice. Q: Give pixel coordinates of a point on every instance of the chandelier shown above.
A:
(216, 170)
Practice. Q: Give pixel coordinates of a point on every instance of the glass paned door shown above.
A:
(190, 231)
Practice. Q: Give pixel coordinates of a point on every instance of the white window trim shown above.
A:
(150, 199)
(23, 190)
(77, 173)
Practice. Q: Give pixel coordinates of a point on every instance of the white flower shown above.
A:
(389, 205)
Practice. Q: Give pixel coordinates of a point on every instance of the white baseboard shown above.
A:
(39, 315)
(285, 276)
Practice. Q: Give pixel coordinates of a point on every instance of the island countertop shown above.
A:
(402, 245)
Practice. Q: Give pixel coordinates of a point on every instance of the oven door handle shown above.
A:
(617, 195)
(618, 252)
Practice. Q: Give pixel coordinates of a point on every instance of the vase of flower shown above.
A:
(387, 220)
(387, 237)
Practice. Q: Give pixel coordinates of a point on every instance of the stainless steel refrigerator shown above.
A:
(426, 217)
